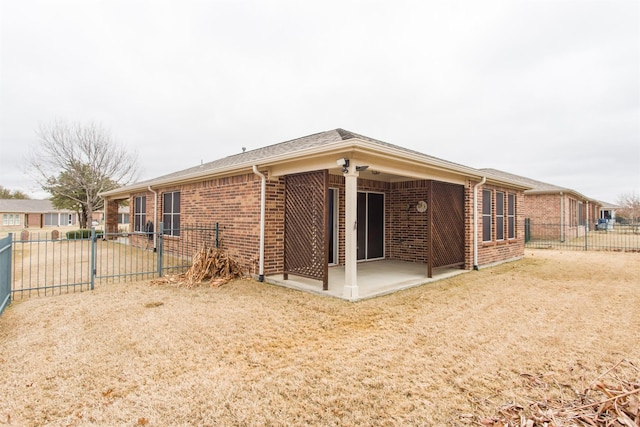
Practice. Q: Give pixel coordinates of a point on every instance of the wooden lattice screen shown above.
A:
(306, 232)
(447, 237)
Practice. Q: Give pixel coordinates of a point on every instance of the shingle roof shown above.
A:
(291, 147)
(298, 144)
(536, 186)
(27, 206)
(288, 147)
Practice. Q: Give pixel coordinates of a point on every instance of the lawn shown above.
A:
(448, 353)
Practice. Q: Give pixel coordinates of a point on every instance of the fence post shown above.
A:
(217, 241)
(5, 276)
(160, 250)
(586, 236)
(93, 257)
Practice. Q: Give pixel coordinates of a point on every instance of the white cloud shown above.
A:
(533, 87)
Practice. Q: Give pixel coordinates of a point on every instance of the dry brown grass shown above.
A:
(448, 353)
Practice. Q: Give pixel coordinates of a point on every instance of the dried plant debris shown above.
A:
(153, 304)
(611, 400)
(209, 266)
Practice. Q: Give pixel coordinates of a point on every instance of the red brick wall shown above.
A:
(274, 228)
(555, 216)
(543, 208)
(495, 250)
(234, 203)
(35, 220)
(407, 228)
(111, 216)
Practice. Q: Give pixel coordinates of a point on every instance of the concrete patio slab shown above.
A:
(375, 278)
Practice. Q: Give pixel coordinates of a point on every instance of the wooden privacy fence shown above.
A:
(49, 263)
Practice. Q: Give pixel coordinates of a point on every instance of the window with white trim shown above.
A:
(171, 213)
(511, 216)
(499, 215)
(139, 213)
(581, 216)
(11, 219)
(487, 211)
(51, 219)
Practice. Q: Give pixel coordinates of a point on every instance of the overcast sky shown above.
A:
(545, 89)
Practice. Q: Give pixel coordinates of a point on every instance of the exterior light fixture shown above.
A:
(344, 163)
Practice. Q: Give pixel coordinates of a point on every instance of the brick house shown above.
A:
(553, 212)
(310, 207)
(27, 213)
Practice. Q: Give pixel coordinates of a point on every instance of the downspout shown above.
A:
(475, 222)
(155, 216)
(263, 190)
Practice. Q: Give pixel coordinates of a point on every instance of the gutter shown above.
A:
(262, 215)
(155, 215)
(475, 222)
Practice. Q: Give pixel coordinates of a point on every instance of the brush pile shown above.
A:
(209, 266)
(610, 400)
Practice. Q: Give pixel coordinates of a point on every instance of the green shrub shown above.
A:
(83, 233)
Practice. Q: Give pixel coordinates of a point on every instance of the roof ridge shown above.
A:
(345, 134)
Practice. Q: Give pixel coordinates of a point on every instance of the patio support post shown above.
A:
(350, 291)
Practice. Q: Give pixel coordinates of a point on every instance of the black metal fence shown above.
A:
(587, 237)
(50, 263)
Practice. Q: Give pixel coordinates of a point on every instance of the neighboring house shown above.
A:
(335, 199)
(123, 215)
(607, 215)
(34, 213)
(554, 212)
(608, 210)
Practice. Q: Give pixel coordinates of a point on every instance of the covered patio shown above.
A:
(375, 278)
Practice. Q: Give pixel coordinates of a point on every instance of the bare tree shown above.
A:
(74, 162)
(629, 207)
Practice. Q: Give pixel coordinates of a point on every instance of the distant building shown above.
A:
(554, 212)
(18, 213)
(608, 211)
